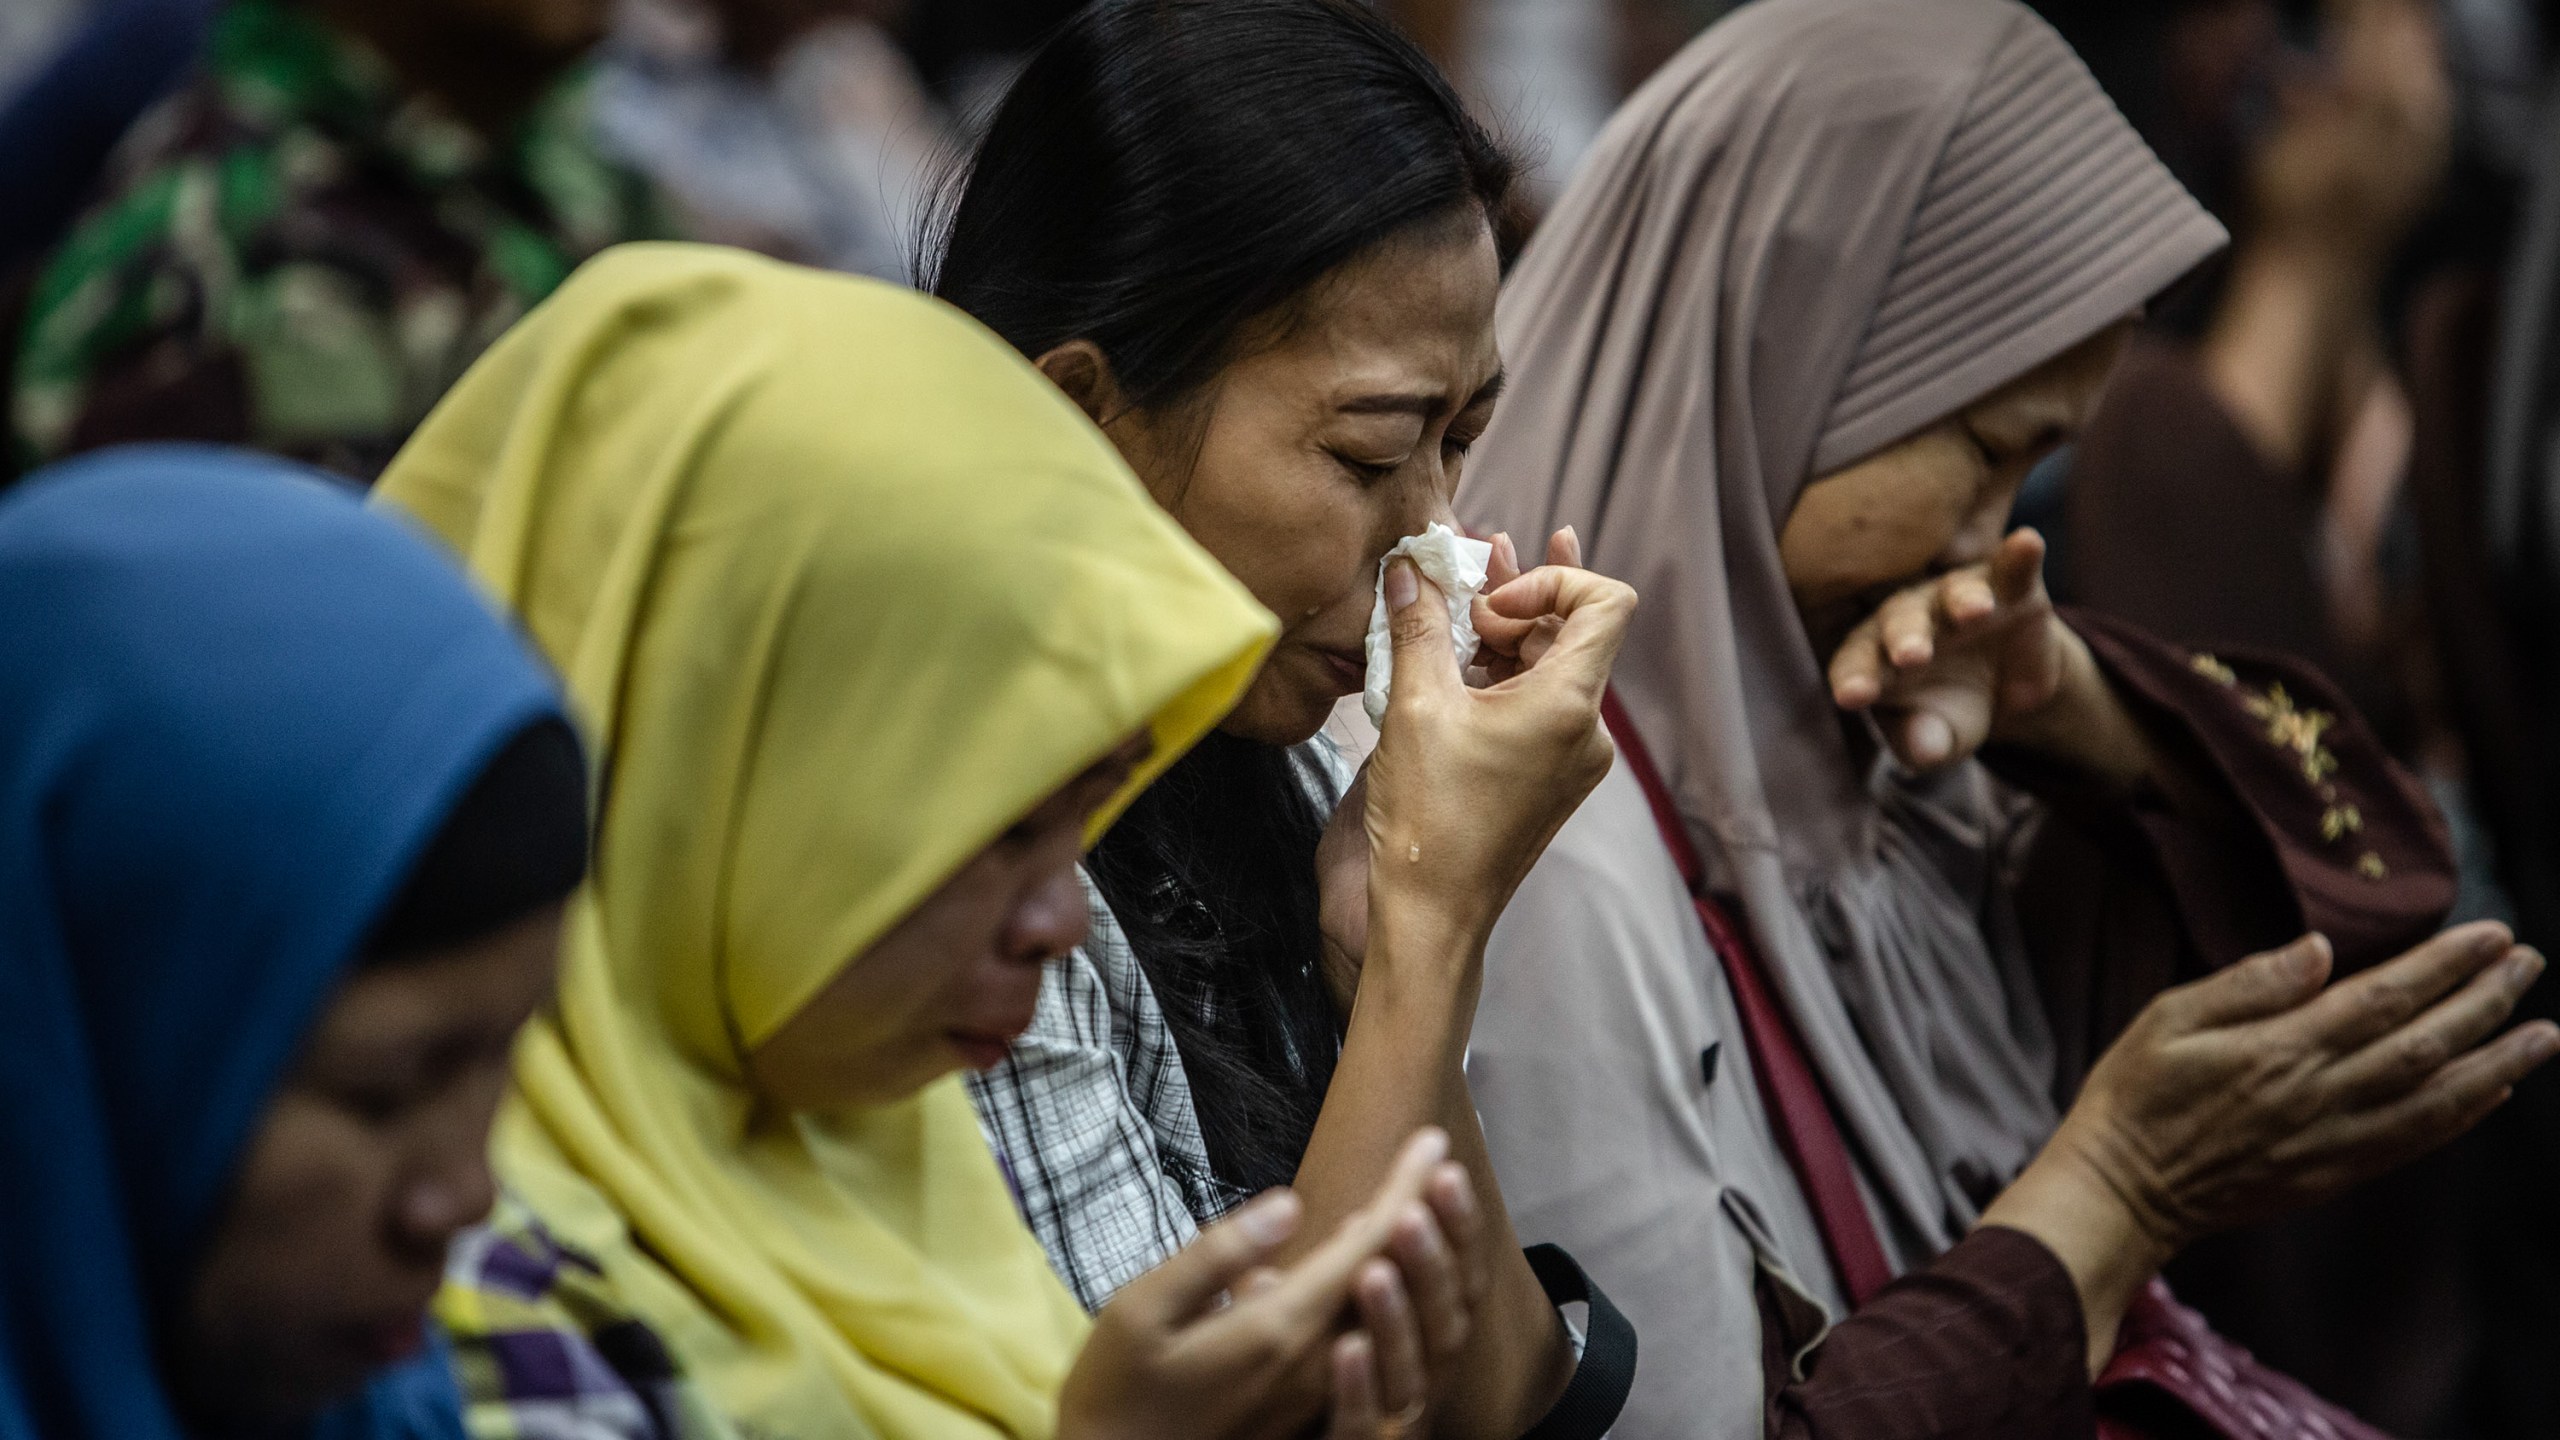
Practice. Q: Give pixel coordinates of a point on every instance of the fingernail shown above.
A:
(1433, 1141)
(1270, 1218)
(2298, 961)
(1385, 1290)
(1424, 1226)
(1402, 584)
(2492, 941)
(1461, 1191)
(1931, 739)
(2524, 969)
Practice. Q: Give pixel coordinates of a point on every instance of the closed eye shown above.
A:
(1981, 450)
(1365, 472)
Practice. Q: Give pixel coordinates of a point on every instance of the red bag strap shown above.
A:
(1806, 1129)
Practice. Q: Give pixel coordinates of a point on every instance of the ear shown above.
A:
(1081, 369)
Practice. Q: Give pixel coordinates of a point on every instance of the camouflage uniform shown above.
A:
(297, 254)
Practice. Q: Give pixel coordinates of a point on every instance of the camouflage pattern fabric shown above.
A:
(297, 254)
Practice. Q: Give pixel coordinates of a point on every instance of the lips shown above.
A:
(979, 1051)
(1350, 668)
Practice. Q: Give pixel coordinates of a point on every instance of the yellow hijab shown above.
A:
(841, 588)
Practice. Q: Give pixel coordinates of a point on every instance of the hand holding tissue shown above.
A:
(1454, 563)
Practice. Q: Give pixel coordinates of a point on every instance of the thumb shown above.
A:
(1418, 628)
(1225, 1255)
(2017, 566)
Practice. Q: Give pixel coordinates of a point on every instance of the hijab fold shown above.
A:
(844, 588)
(1824, 226)
(234, 708)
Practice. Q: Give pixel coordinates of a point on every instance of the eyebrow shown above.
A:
(1420, 403)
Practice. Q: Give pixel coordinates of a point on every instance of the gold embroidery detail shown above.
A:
(2301, 730)
(2297, 729)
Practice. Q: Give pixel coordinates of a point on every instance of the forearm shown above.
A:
(1984, 1343)
(1402, 1067)
(2086, 725)
(2273, 353)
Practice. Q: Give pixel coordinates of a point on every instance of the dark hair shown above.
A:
(1212, 875)
(1165, 175)
(1165, 171)
(515, 842)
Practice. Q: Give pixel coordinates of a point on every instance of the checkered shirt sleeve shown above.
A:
(1091, 1114)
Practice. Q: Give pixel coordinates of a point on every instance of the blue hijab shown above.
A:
(235, 705)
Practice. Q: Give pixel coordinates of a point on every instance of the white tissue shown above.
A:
(1454, 563)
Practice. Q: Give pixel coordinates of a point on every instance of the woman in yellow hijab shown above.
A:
(872, 632)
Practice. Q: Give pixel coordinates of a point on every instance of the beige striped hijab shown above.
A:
(1825, 225)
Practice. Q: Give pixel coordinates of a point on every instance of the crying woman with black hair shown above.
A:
(1255, 242)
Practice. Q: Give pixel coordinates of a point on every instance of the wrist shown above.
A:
(1420, 961)
(1423, 914)
(2084, 723)
(2106, 1237)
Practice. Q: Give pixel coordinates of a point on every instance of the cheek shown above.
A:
(912, 990)
(1879, 526)
(301, 1242)
(993, 996)
(893, 991)
(1846, 554)
(1288, 525)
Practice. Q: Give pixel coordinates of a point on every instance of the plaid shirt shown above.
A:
(299, 254)
(543, 1351)
(1091, 1114)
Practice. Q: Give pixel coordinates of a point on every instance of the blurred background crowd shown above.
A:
(293, 223)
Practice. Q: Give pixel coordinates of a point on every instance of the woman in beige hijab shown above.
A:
(1826, 289)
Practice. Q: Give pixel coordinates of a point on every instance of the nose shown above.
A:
(441, 1204)
(451, 1188)
(1416, 508)
(1049, 920)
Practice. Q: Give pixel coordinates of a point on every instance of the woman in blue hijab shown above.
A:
(286, 818)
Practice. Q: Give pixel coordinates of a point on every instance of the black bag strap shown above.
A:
(1598, 1391)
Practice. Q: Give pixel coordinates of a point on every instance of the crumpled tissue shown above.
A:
(1454, 563)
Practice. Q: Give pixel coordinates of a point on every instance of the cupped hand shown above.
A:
(1217, 1342)
(2257, 1090)
(1958, 659)
(2261, 1089)
(1467, 786)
